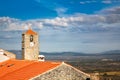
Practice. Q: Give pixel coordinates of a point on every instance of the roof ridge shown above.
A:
(30, 31)
(47, 70)
(63, 63)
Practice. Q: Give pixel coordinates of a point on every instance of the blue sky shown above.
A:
(89, 26)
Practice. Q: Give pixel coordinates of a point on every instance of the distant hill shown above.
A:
(111, 52)
(19, 55)
(63, 54)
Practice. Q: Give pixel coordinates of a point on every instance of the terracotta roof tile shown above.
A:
(30, 31)
(24, 70)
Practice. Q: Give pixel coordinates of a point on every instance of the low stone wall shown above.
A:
(62, 72)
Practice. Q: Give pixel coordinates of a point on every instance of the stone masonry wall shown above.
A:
(62, 72)
(30, 52)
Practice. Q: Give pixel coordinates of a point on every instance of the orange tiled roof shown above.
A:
(30, 31)
(24, 70)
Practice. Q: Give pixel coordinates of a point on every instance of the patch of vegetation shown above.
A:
(92, 66)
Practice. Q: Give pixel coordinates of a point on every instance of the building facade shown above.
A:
(30, 45)
(8, 54)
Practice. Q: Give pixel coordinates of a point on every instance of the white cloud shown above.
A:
(107, 1)
(82, 2)
(55, 22)
(114, 10)
(77, 22)
(87, 2)
(60, 11)
(8, 24)
(93, 32)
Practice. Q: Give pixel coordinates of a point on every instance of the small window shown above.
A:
(5, 54)
(31, 38)
(87, 78)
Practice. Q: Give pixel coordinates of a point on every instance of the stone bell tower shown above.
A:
(30, 45)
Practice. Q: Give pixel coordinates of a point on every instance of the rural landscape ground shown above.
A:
(106, 63)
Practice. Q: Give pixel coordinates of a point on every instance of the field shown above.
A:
(90, 63)
(109, 64)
